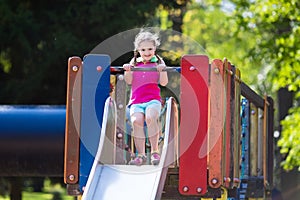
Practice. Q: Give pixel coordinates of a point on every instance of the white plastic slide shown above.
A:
(114, 182)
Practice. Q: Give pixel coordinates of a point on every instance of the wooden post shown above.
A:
(72, 133)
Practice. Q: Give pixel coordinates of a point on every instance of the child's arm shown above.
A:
(163, 75)
(128, 72)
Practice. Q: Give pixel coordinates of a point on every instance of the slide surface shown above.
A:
(108, 181)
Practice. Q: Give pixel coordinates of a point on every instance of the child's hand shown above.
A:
(161, 67)
(127, 67)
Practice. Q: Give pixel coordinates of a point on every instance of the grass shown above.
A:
(50, 192)
(40, 196)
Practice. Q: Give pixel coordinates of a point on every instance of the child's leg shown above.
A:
(137, 120)
(153, 128)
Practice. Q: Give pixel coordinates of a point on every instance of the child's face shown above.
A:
(146, 50)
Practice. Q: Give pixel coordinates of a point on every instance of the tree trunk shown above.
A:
(15, 189)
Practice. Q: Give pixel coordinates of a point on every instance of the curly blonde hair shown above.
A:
(146, 35)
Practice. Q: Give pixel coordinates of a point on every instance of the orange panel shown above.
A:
(216, 124)
(71, 165)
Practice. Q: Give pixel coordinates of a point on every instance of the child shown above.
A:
(145, 100)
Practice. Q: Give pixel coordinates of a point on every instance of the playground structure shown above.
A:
(221, 147)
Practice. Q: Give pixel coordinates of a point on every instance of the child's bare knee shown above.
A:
(149, 120)
(151, 116)
(137, 122)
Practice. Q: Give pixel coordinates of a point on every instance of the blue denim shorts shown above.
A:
(141, 107)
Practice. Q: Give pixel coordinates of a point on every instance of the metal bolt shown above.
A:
(75, 68)
(236, 180)
(192, 68)
(199, 189)
(185, 188)
(119, 135)
(216, 70)
(121, 77)
(214, 181)
(71, 177)
(99, 68)
(227, 179)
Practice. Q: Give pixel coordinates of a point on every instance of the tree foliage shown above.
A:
(276, 27)
(38, 37)
(211, 24)
(262, 38)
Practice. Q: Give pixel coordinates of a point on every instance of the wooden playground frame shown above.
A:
(231, 146)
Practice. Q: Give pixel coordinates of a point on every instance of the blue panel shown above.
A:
(95, 90)
(245, 139)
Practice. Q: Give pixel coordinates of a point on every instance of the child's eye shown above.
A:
(149, 49)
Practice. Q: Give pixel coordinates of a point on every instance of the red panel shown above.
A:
(194, 124)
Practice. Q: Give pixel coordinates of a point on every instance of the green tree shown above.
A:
(211, 24)
(38, 37)
(261, 38)
(277, 30)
